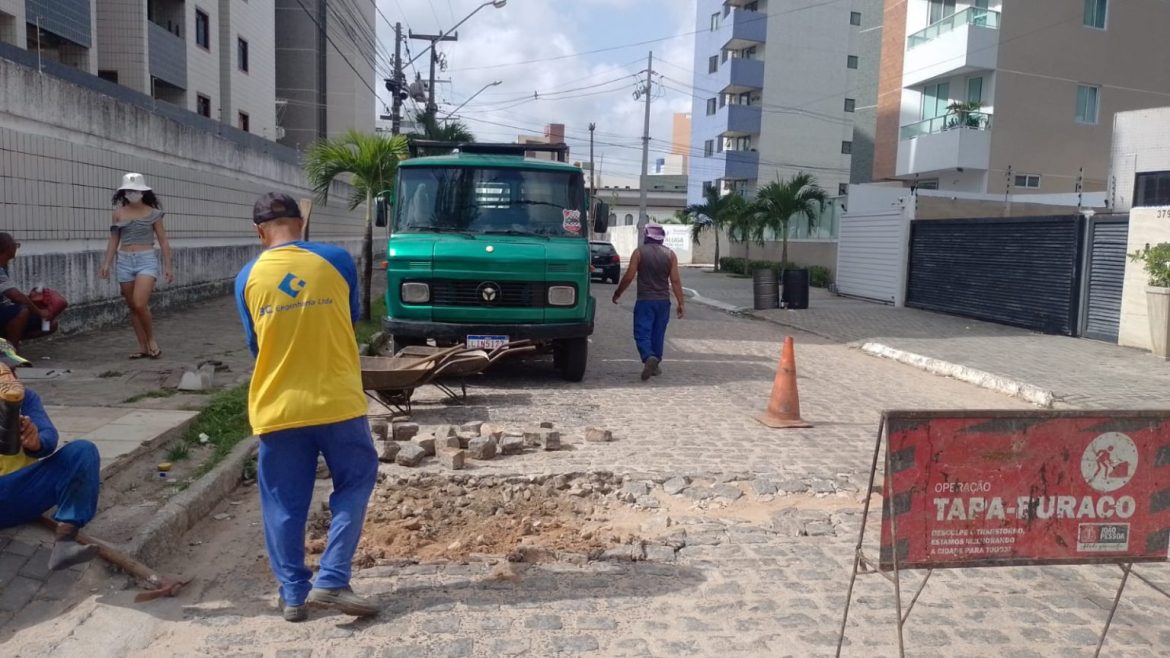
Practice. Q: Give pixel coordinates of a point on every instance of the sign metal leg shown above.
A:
(1125, 569)
(857, 554)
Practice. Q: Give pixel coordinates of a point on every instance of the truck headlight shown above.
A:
(413, 292)
(562, 295)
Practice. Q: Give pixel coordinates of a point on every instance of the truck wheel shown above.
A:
(573, 357)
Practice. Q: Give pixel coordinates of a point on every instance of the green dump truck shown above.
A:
(488, 247)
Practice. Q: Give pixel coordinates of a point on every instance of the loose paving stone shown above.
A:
(405, 431)
(481, 448)
(675, 485)
(475, 428)
(823, 486)
(389, 451)
(508, 647)
(624, 553)
(465, 438)
(647, 502)
(380, 430)
(511, 445)
(636, 489)
(660, 553)
(793, 486)
(454, 459)
(410, 454)
(575, 644)
(547, 425)
(451, 442)
(727, 491)
(698, 493)
(764, 487)
(598, 435)
(819, 529)
(427, 444)
(595, 624)
(550, 440)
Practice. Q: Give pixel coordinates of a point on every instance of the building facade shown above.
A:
(63, 31)
(774, 89)
(998, 97)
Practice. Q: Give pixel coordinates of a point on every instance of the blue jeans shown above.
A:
(133, 264)
(287, 473)
(68, 478)
(650, 320)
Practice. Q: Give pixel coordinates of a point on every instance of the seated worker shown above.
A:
(40, 476)
(19, 316)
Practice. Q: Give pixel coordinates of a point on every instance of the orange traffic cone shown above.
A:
(784, 403)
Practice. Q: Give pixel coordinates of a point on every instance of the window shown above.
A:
(629, 219)
(846, 148)
(202, 30)
(708, 186)
(752, 6)
(713, 64)
(710, 106)
(1152, 189)
(245, 122)
(940, 9)
(745, 98)
(726, 54)
(720, 143)
(242, 54)
(708, 148)
(975, 90)
(743, 143)
(855, 18)
(1095, 11)
(928, 184)
(1088, 102)
(842, 189)
(749, 53)
(850, 105)
(203, 105)
(716, 21)
(851, 62)
(1031, 181)
(935, 99)
(112, 76)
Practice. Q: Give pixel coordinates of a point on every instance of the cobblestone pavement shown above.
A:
(1080, 372)
(747, 583)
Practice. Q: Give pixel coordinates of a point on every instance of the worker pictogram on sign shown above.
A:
(968, 489)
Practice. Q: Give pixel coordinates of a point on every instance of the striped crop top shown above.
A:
(133, 232)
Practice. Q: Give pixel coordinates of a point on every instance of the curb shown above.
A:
(163, 534)
(122, 462)
(694, 296)
(1017, 389)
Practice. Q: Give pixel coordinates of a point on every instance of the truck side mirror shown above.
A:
(382, 210)
(600, 217)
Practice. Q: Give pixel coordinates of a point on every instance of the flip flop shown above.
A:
(154, 355)
(138, 355)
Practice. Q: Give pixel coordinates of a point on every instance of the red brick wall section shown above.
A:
(889, 103)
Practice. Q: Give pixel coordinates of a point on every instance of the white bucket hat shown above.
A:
(134, 182)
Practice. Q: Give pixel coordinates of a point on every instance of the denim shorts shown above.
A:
(131, 264)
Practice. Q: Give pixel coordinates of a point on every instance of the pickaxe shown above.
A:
(163, 585)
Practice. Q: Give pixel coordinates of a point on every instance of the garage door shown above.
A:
(1017, 271)
(871, 256)
(1104, 276)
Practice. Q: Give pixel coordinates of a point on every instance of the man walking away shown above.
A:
(298, 302)
(656, 268)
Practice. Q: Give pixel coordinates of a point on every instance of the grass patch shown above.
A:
(179, 452)
(160, 393)
(225, 421)
(109, 374)
(365, 330)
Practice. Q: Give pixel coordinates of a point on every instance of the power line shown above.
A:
(328, 38)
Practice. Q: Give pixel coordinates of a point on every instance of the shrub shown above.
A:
(819, 276)
(1156, 261)
(733, 265)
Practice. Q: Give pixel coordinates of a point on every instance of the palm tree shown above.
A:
(712, 214)
(371, 161)
(779, 201)
(451, 131)
(743, 224)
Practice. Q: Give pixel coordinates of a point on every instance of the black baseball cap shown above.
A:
(275, 205)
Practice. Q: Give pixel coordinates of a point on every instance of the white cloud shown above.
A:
(533, 46)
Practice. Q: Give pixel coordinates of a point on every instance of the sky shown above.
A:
(545, 47)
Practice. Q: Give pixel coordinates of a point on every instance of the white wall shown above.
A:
(1146, 226)
(1141, 143)
(203, 64)
(627, 238)
(254, 92)
(122, 42)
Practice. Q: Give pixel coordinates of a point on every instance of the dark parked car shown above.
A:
(607, 264)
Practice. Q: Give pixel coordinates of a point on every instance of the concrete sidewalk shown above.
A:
(1078, 372)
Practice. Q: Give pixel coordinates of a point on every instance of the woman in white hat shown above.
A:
(138, 222)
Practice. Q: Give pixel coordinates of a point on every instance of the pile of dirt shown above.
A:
(530, 519)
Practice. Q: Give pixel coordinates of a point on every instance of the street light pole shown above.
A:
(498, 4)
(490, 84)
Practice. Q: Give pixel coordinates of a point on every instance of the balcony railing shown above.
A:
(971, 16)
(959, 121)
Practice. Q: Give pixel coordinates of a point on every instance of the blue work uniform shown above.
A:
(32, 483)
(298, 302)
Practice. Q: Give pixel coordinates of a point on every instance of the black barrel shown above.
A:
(766, 288)
(795, 288)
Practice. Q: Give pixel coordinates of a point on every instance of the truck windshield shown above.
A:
(493, 201)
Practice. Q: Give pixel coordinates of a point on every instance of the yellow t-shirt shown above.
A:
(298, 302)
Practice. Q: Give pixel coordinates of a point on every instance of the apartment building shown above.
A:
(60, 30)
(325, 52)
(995, 97)
(775, 93)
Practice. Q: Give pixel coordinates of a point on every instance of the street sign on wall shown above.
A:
(678, 238)
(1007, 488)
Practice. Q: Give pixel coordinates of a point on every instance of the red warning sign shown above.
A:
(967, 489)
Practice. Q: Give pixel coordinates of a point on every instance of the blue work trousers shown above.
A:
(68, 478)
(287, 474)
(650, 320)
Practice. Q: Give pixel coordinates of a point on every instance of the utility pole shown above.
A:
(592, 186)
(646, 91)
(433, 38)
(395, 88)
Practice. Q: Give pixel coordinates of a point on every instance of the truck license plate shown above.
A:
(484, 342)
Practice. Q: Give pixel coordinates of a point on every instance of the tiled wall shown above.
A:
(203, 64)
(121, 42)
(12, 23)
(253, 92)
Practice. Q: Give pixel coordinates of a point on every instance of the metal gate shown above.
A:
(1104, 274)
(1022, 271)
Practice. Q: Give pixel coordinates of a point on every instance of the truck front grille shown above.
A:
(508, 294)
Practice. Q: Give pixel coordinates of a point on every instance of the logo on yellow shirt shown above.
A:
(292, 285)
